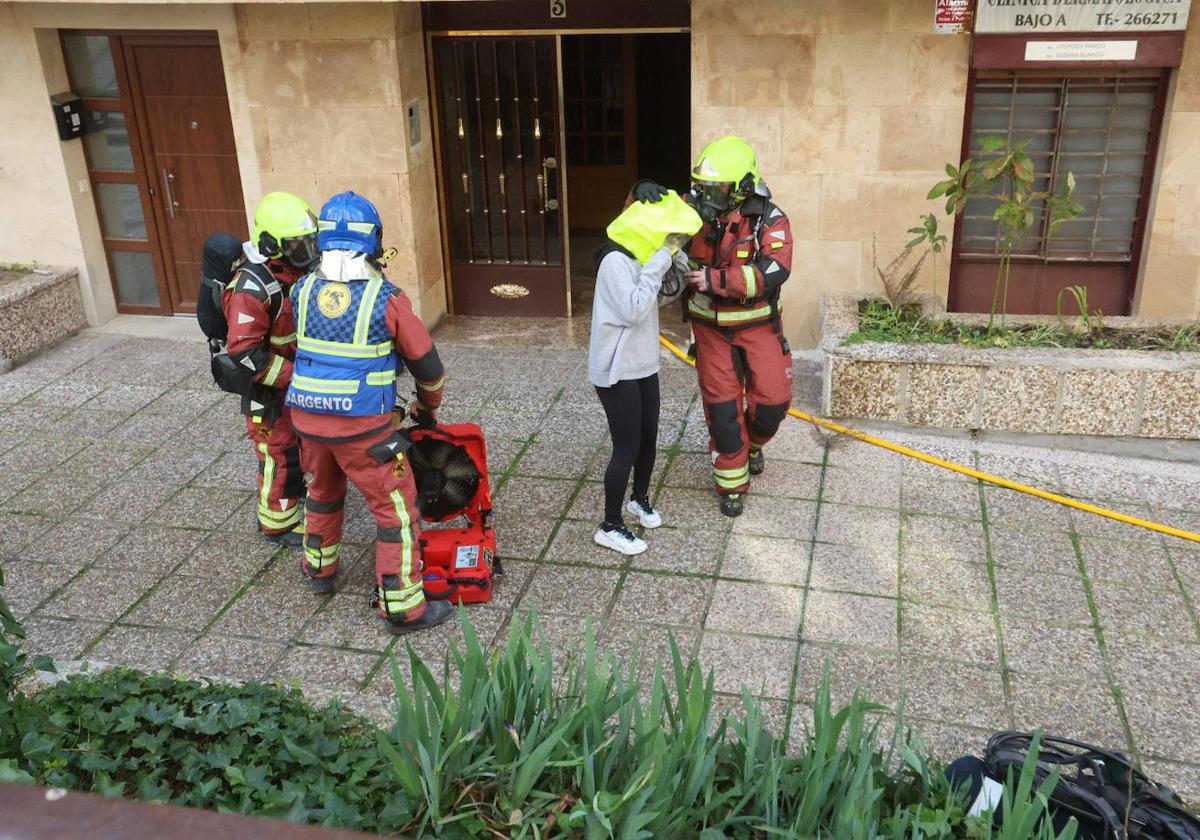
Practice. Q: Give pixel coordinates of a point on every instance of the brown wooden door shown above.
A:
(501, 174)
(178, 90)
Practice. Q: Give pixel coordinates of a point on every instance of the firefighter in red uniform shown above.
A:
(740, 260)
(261, 344)
(355, 331)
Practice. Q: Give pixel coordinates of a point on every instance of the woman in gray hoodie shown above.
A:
(623, 357)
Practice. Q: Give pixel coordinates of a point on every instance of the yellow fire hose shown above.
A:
(976, 474)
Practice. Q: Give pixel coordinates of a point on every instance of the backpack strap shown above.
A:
(256, 279)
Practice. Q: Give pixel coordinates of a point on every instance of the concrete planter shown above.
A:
(1150, 394)
(36, 311)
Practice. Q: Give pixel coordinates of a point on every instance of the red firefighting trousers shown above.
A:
(746, 384)
(390, 494)
(280, 479)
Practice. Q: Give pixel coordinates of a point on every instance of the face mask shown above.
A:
(711, 200)
(300, 251)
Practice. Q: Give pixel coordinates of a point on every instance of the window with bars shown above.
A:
(594, 98)
(1099, 129)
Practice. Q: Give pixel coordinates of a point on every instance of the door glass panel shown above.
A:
(134, 273)
(90, 59)
(121, 211)
(107, 139)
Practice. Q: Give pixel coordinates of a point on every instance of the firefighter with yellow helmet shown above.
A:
(739, 261)
(261, 345)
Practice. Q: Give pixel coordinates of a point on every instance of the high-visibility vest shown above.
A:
(346, 359)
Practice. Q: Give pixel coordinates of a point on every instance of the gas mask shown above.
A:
(711, 200)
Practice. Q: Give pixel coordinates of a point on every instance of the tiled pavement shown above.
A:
(126, 511)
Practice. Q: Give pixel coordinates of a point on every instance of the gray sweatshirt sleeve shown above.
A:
(631, 298)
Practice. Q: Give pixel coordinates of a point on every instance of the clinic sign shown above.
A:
(1046, 16)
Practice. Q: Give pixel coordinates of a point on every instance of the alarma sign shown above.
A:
(1035, 16)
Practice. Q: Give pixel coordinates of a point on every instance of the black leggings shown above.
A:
(632, 409)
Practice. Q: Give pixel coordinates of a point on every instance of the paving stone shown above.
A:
(1163, 725)
(690, 469)
(20, 384)
(536, 497)
(35, 454)
(695, 509)
(51, 498)
(1043, 649)
(870, 571)
(234, 470)
(768, 559)
(1008, 509)
(949, 634)
(679, 550)
(796, 442)
(144, 428)
(575, 543)
(662, 599)
(570, 589)
(76, 540)
(764, 666)
(509, 586)
(99, 594)
(147, 649)
(151, 549)
(757, 608)
(230, 657)
(767, 516)
(170, 463)
(263, 613)
(27, 584)
(200, 507)
(345, 621)
(944, 538)
(945, 582)
(935, 497)
(58, 638)
(1170, 491)
(1129, 563)
(788, 479)
(850, 485)
(1184, 779)
(850, 619)
(954, 693)
(103, 462)
(125, 398)
(947, 741)
(520, 536)
(1155, 665)
(731, 709)
(1187, 564)
(1111, 485)
(873, 528)
(323, 673)
(129, 502)
(873, 675)
(1058, 598)
(1033, 550)
(1143, 611)
(227, 553)
(557, 461)
(1037, 472)
(563, 637)
(647, 646)
(185, 603)
(500, 455)
(1089, 524)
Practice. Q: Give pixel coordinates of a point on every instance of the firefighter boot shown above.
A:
(732, 504)
(320, 584)
(435, 613)
(291, 538)
(757, 462)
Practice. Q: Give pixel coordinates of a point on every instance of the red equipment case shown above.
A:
(460, 560)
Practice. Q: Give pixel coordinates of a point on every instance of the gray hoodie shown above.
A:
(624, 342)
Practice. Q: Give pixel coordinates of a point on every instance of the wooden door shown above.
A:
(501, 171)
(178, 90)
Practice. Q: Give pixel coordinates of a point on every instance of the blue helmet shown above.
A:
(349, 222)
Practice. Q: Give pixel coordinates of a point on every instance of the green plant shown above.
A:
(1087, 322)
(1004, 173)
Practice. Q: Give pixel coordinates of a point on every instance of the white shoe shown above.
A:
(647, 515)
(620, 539)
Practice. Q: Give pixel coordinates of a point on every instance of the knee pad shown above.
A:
(724, 427)
(767, 419)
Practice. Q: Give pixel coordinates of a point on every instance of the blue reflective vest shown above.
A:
(346, 359)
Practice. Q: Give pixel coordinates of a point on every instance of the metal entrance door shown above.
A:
(499, 150)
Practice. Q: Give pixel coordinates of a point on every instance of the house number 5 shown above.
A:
(558, 8)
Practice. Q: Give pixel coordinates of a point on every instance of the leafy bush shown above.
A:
(519, 748)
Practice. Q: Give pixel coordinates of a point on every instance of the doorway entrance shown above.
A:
(540, 132)
(161, 158)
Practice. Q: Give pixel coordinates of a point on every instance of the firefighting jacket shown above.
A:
(748, 257)
(252, 331)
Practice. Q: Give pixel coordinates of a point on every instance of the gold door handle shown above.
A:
(550, 204)
(172, 204)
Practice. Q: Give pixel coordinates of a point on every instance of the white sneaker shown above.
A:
(647, 515)
(620, 539)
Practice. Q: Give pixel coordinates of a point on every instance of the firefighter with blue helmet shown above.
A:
(355, 333)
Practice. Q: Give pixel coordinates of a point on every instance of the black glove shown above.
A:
(649, 191)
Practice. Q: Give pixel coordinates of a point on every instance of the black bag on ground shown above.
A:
(220, 261)
(1099, 787)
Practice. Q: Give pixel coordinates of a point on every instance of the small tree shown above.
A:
(898, 281)
(1005, 174)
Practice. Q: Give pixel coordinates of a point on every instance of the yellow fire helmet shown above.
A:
(643, 227)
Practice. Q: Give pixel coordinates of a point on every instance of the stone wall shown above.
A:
(326, 90)
(36, 311)
(853, 109)
(1037, 390)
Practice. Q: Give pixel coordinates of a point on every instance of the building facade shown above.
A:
(497, 138)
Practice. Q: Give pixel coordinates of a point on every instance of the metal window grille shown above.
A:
(594, 94)
(1098, 128)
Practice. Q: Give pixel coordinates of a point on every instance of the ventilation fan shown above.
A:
(449, 465)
